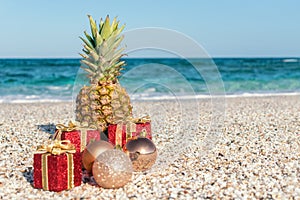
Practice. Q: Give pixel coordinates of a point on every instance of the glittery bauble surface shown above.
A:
(92, 151)
(112, 169)
(142, 153)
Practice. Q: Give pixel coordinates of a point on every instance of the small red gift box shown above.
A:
(56, 168)
(79, 136)
(118, 134)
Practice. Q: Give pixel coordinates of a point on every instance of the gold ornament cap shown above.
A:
(140, 145)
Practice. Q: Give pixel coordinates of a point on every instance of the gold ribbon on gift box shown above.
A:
(143, 120)
(60, 128)
(130, 128)
(57, 147)
(130, 125)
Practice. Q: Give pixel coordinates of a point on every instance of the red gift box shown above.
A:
(57, 172)
(118, 134)
(79, 136)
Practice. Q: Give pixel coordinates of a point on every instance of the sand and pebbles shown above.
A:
(255, 154)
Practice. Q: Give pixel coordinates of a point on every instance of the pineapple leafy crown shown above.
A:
(102, 52)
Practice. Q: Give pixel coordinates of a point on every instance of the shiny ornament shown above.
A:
(92, 151)
(112, 169)
(142, 152)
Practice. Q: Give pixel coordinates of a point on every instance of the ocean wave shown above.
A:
(59, 88)
(147, 97)
(263, 94)
(33, 99)
(290, 60)
(54, 80)
(141, 97)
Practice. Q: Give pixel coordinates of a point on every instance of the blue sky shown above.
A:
(229, 28)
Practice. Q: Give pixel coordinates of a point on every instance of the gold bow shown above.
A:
(144, 119)
(130, 125)
(61, 128)
(71, 127)
(57, 147)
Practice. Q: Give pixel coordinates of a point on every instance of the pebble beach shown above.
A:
(256, 153)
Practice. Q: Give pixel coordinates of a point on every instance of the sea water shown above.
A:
(56, 80)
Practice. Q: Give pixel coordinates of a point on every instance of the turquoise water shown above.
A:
(54, 79)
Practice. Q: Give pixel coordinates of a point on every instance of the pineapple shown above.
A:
(104, 101)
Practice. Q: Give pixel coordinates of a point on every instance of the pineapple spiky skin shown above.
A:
(104, 101)
(102, 105)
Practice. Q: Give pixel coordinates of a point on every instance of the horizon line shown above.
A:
(157, 57)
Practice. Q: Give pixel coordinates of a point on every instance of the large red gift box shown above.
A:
(57, 172)
(79, 136)
(118, 134)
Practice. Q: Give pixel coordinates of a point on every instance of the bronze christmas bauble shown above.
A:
(92, 151)
(112, 169)
(142, 153)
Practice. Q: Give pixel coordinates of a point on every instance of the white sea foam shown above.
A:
(32, 99)
(263, 94)
(138, 97)
(59, 88)
(291, 60)
(145, 97)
